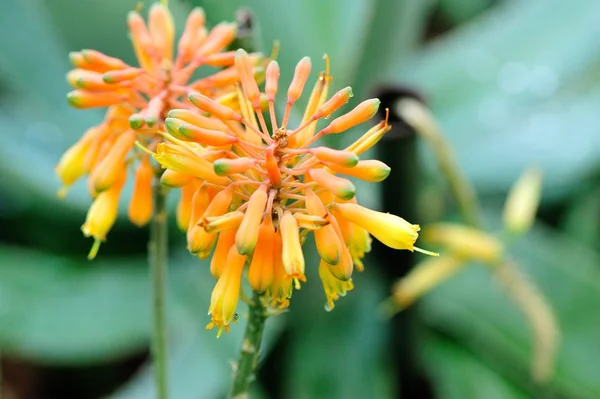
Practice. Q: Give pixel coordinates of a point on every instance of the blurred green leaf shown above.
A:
(474, 311)
(582, 221)
(518, 86)
(35, 112)
(395, 31)
(459, 11)
(306, 28)
(336, 354)
(58, 310)
(199, 363)
(456, 374)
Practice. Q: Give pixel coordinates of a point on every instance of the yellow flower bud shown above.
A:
(333, 287)
(292, 256)
(246, 237)
(226, 293)
(342, 188)
(102, 215)
(522, 202)
(423, 277)
(466, 242)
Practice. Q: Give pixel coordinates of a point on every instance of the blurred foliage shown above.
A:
(513, 83)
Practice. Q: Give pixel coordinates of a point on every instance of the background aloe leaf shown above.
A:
(505, 106)
(493, 329)
(456, 373)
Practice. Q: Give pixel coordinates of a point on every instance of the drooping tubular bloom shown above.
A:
(138, 99)
(265, 187)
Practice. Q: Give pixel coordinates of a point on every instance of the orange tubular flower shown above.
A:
(284, 186)
(138, 100)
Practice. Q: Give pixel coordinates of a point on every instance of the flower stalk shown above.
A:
(158, 260)
(245, 369)
(425, 125)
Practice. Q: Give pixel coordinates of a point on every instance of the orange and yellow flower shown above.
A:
(138, 99)
(265, 187)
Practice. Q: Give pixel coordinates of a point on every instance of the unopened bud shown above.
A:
(244, 67)
(121, 75)
(272, 80)
(220, 111)
(300, 77)
(162, 29)
(206, 137)
(372, 171)
(102, 62)
(230, 220)
(337, 101)
(227, 167)
(219, 37)
(342, 188)
(342, 158)
(86, 99)
(173, 179)
(194, 23)
(141, 204)
(466, 242)
(522, 202)
(422, 278)
(362, 113)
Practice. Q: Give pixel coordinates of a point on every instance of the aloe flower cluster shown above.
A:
(260, 187)
(137, 101)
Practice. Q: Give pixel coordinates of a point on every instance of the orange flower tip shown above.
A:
(136, 121)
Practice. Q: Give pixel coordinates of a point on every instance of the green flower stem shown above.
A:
(245, 369)
(158, 259)
(523, 292)
(425, 125)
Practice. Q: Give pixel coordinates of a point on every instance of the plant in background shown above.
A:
(263, 187)
(138, 99)
(465, 243)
